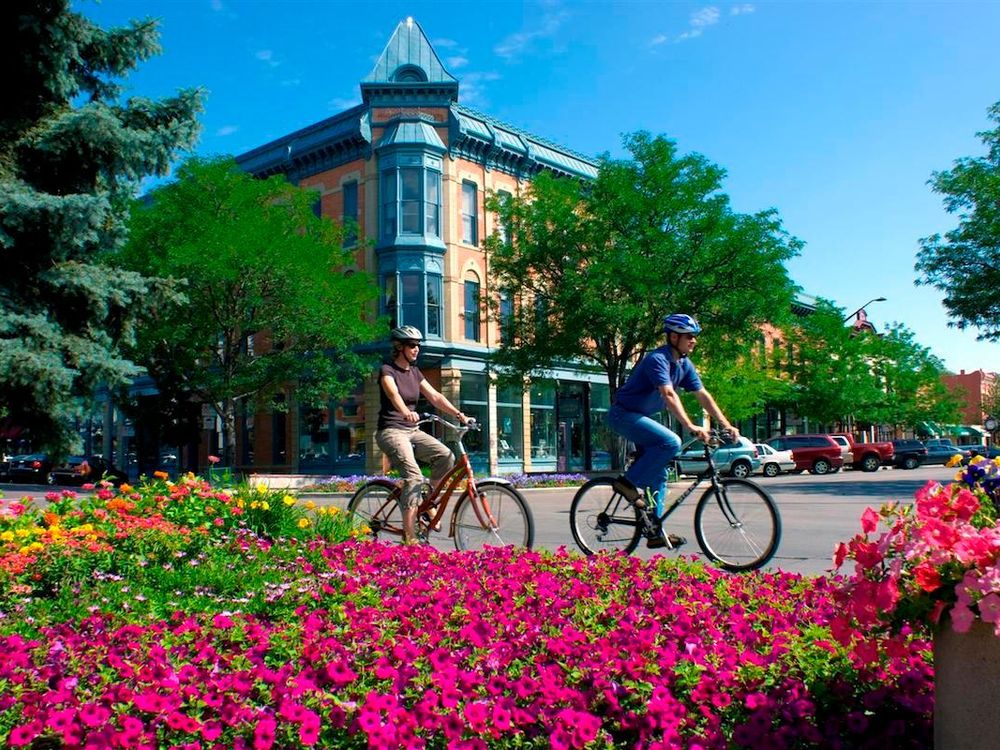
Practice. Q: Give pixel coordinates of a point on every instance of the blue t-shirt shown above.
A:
(641, 392)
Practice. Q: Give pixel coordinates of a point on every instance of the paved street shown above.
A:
(816, 512)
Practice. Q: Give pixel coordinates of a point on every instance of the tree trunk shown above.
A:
(229, 434)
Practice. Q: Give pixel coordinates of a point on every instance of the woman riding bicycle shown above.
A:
(401, 384)
(652, 385)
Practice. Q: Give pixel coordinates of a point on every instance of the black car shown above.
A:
(970, 451)
(31, 468)
(939, 452)
(909, 454)
(85, 469)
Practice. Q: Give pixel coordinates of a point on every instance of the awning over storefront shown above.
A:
(964, 431)
(928, 429)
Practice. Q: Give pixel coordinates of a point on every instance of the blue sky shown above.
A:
(835, 114)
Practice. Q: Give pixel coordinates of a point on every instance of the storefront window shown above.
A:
(472, 395)
(331, 440)
(543, 425)
(601, 441)
(509, 425)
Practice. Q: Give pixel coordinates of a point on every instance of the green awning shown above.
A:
(928, 429)
(962, 431)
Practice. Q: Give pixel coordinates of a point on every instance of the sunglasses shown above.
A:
(411, 344)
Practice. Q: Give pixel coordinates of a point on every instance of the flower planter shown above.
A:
(966, 688)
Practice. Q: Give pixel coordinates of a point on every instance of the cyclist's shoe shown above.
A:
(425, 519)
(670, 541)
(628, 490)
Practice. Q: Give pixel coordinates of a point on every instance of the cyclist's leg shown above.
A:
(397, 445)
(656, 447)
(428, 449)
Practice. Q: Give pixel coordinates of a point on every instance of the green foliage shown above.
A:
(71, 157)
(257, 266)
(965, 263)
(594, 267)
(836, 372)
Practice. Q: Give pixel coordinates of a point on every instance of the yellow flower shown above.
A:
(261, 488)
(264, 505)
(288, 500)
(321, 510)
(22, 533)
(254, 505)
(304, 523)
(7, 536)
(954, 461)
(310, 505)
(334, 510)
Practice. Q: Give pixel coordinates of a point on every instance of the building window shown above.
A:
(411, 202)
(601, 438)
(470, 214)
(413, 298)
(506, 318)
(473, 401)
(510, 434)
(472, 310)
(543, 424)
(350, 217)
(503, 227)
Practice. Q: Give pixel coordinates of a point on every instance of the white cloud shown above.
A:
(473, 87)
(742, 10)
(226, 130)
(456, 62)
(444, 43)
(517, 44)
(339, 104)
(705, 17)
(658, 40)
(267, 56)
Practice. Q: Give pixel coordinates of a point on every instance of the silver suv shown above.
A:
(739, 459)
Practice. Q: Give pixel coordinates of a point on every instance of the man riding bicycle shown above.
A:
(652, 385)
(401, 384)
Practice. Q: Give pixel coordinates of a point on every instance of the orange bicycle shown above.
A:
(489, 512)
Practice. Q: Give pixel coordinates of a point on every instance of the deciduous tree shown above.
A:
(595, 266)
(271, 296)
(965, 262)
(71, 155)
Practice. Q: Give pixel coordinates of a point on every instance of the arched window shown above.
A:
(471, 311)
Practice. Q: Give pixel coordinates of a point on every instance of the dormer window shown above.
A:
(409, 74)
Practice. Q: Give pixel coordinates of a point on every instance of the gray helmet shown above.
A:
(406, 333)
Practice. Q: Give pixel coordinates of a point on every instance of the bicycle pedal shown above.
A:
(425, 519)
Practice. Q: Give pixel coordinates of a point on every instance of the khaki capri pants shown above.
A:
(404, 449)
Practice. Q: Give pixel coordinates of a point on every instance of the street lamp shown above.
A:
(877, 299)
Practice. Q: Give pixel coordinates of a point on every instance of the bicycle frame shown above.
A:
(440, 496)
(710, 473)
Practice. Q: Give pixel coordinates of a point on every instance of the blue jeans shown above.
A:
(656, 446)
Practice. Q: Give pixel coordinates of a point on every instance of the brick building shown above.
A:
(410, 168)
(973, 388)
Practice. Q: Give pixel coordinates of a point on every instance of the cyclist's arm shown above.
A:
(434, 396)
(709, 405)
(389, 386)
(673, 403)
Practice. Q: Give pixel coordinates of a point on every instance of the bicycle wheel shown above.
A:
(739, 527)
(514, 523)
(377, 504)
(601, 519)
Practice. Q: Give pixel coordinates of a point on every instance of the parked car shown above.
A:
(84, 469)
(31, 468)
(864, 456)
(817, 454)
(970, 451)
(737, 459)
(773, 461)
(5, 467)
(909, 453)
(941, 452)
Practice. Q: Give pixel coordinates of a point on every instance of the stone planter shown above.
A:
(966, 688)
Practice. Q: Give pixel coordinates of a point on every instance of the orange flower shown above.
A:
(161, 475)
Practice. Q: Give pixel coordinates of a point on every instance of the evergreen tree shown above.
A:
(72, 155)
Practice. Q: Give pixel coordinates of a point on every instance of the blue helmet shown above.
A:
(681, 323)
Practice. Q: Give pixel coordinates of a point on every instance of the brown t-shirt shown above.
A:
(408, 384)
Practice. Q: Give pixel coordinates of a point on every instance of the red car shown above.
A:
(817, 454)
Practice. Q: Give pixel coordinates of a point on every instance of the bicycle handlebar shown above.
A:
(471, 425)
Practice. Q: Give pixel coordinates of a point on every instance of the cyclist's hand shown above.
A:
(462, 418)
(734, 434)
(412, 416)
(701, 433)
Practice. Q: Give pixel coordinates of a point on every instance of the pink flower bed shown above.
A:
(411, 648)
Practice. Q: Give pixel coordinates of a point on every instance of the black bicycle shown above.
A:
(736, 523)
